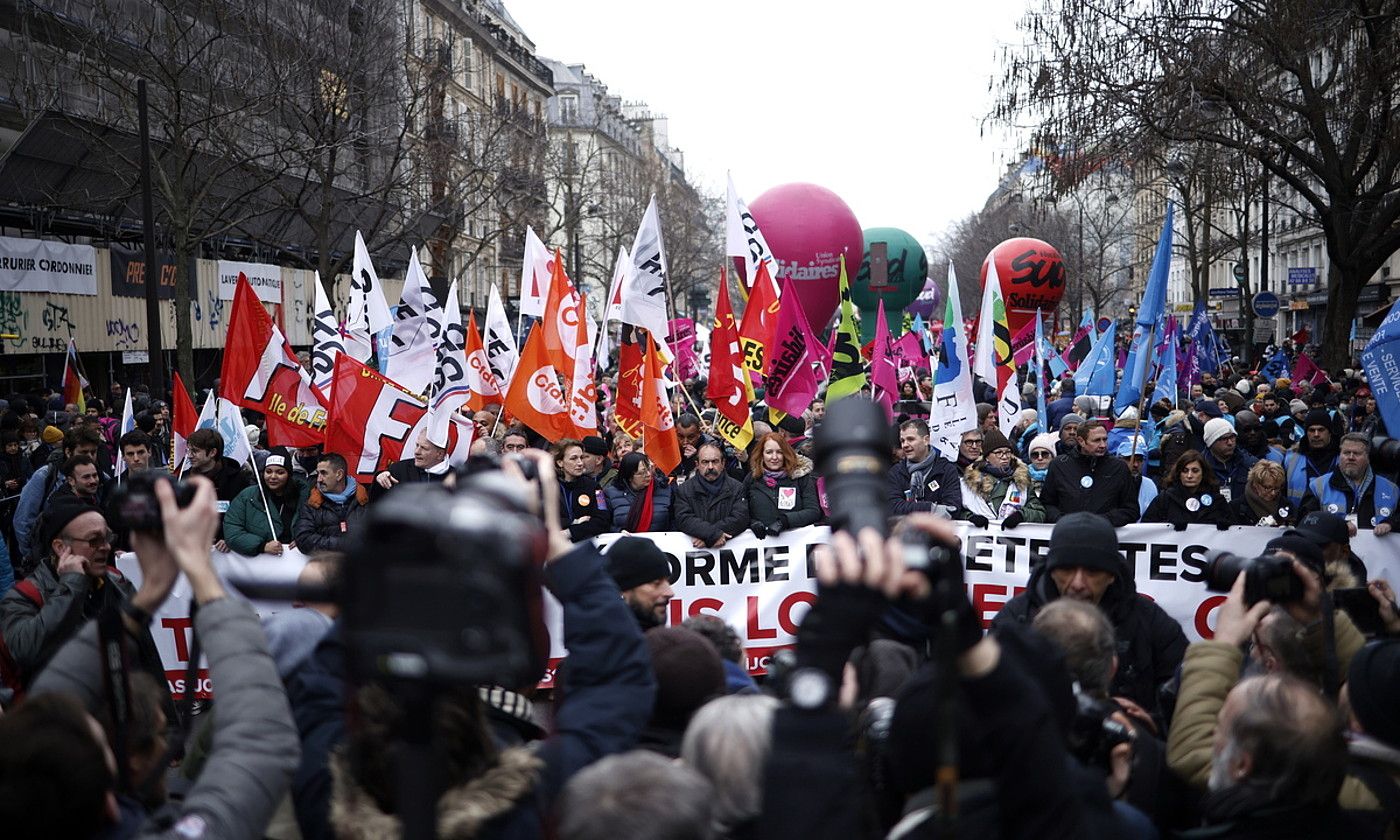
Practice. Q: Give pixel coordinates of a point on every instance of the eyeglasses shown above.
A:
(977, 442)
(94, 543)
(1040, 454)
(999, 453)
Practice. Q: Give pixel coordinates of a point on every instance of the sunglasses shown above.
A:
(94, 543)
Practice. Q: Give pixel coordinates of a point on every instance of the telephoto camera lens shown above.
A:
(853, 455)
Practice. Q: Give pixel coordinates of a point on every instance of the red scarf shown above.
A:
(640, 520)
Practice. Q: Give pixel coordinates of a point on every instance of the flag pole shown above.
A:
(257, 476)
(1142, 391)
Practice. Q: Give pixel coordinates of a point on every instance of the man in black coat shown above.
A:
(335, 508)
(711, 508)
(1083, 563)
(924, 478)
(1089, 480)
(428, 464)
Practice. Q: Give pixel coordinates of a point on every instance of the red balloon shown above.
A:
(808, 229)
(1032, 277)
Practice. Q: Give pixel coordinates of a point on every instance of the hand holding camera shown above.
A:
(1235, 622)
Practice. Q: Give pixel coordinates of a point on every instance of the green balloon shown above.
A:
(905, 273)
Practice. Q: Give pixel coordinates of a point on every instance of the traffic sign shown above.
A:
(1302, 276)
(1240, 272)
(1266, 304)
(1229, 291)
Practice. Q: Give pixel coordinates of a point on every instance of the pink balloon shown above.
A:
(808, 229)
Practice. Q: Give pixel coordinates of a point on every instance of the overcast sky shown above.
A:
(879, 101)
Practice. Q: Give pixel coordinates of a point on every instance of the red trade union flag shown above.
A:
(631, 368)
(660, 443)
(374, 418)
(729, 387)
(485, 388)
(535, 397)
(561, 317)
(261, 371)
(184, 418)
(760, 322)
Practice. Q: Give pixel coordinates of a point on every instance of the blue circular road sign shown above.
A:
(1266, 304)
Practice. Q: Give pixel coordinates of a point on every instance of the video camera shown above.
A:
(1385, 454)
(134, 504)
(852, 455)
(1267, 577)
(443, 587)
(1094, 733)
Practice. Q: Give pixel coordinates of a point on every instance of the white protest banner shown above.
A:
(37, 265)
(265, 279)
(763, 588)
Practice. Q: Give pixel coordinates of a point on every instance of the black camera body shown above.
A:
(1094, 733)
(1269, 577)
(443, 588)
(134, 504)
(852, 454)
(1385, 454)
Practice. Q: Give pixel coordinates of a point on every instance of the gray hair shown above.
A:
(1356, 437)
(636, 796)
(1083, 633)
(1293, 737)
(728, 742)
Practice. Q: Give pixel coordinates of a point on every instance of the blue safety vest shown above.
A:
(1299, 471)
(1336, 501)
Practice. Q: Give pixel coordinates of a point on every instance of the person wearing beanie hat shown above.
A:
(73, 582)
(51, 435)
(1069, 433)
(1373, 742)
(595, 456)
(1230, 464)
(1039, 453)
(1313, 456)
(642, 574)
(1083, 563)
(263, 521)
(689, 673)
(997, 486)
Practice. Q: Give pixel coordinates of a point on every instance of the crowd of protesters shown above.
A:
(1084, 712)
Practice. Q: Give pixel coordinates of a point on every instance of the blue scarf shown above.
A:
(1037, 475)
(339, 498)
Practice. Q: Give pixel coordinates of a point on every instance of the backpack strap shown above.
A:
(29, 590)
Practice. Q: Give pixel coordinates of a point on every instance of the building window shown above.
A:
(568, 108)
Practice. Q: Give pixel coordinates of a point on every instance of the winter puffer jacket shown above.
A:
(621, 499)
(246, 523)
(984, 493)
(322, 524)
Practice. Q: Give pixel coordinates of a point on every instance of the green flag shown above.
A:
(847, 369)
